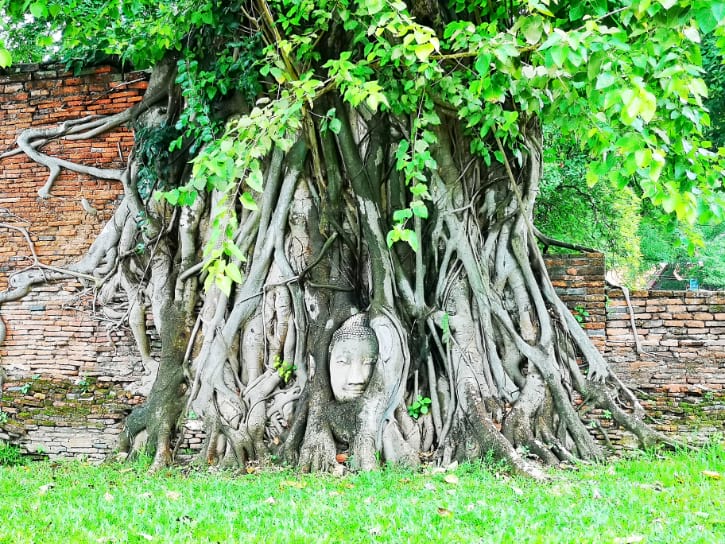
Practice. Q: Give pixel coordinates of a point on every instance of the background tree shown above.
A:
(601, 217)
(305, 162)
(641, 242)
(637, 237)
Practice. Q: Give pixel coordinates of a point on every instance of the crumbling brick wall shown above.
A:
(579, 282)
(56, 342)
(680, 371)
(679, 374)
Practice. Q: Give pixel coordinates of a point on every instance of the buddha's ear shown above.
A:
(392, 352)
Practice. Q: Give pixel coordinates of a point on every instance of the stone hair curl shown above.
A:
(358, 327)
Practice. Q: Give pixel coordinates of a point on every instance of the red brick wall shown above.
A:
(33, 96)
(579, 281)
(680, 374)
(55, 339)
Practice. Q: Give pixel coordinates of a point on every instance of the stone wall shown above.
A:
(71, 372)
(579, 281)
(679, 370)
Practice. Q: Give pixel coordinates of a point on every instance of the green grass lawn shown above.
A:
(674, 499)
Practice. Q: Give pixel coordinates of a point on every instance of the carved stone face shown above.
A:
(352, 360)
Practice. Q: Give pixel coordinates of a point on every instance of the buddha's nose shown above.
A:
(357, 374)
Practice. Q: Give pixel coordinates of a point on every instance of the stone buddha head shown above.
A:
(353, 354)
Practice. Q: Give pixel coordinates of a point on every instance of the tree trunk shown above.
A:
(319, 353)
(335, 346)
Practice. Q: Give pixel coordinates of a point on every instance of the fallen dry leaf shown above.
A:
(444, 512)
(654, 487)
(711, 474)
(45, 488)
(451, 479)
(173, 495)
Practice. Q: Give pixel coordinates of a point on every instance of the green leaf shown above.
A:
(643, 157)
(692, 34)
(423, 51)
(248, 202)
(445, 325)
(224, 283)
(38, 10)
(409, 236)
(232, 270)
(187, 198)
(483, 63)
(559, 54)
(392, 237)
(399, 216)
(648, 105)
(532, 29)
(419, 189)
(419, 209)
(718, 10)
(172, 196)
(335, 125)
(255, 180)
(667, 4)
(374, 99)
(230, 248)
(5, 58)
(373, 6)
(706, 20)
(604, 80)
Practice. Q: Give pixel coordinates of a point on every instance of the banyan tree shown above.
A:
(328, 214)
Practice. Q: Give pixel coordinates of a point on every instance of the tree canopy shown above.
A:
(623, 78)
